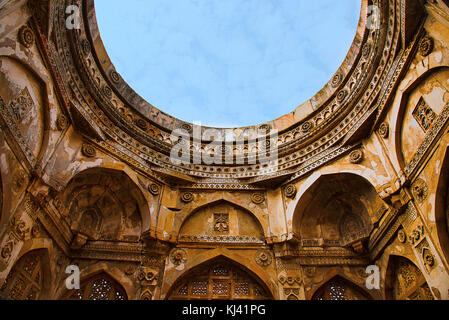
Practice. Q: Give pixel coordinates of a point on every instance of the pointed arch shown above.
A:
(329, 201)
(339, 287)
(431, 67)
(118, 186)
(30, 277)
(404, 281)
(117, 285)
(244, 262)
(217, 199)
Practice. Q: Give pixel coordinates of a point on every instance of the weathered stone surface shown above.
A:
(357, 175)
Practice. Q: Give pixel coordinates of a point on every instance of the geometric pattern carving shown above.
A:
(424, 114)
(215, 281)
(100, 287)
(339, 289)
(24, 282)
(407, 281)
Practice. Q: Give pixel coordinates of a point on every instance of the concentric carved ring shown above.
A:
(356, 156)
(257, 198)
(290, 191)
(342, 94)
(107, 92)
(187, 197)
(26, 36)
(115, 77)
(88, 150)
(384, 130)
(337, 79)
(154, 189)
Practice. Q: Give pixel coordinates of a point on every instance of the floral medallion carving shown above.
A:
(420, 190)
(384, 130)
(307, 126)
(178, 256)
(154, 189)
(356, 156)
(257, 198)
(290, 191)
(187, 197)
(88, 150)
(263, 258)
(426, 46)
(26, 36)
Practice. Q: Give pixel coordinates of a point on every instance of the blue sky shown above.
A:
(227, 63)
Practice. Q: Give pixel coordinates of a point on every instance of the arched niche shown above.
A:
(421, 105)
(219, 279)
(442, 206)
(29, 278)
(98, 287)
(23, 96)
(221, 221)
(104, 204)
(337, 210)
(339, 288)
(404, 281)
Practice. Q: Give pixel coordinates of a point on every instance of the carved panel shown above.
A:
(218, 280)
(100, 287)
(424, 114)
(25, 280)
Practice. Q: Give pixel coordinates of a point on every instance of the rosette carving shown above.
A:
(178, 256)
(154, 189)
(426, 46)
(356, 156)
(290, 191)
(187, 197)
(26, 36)
(88, 150)
(257, 198)
(263, 258)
